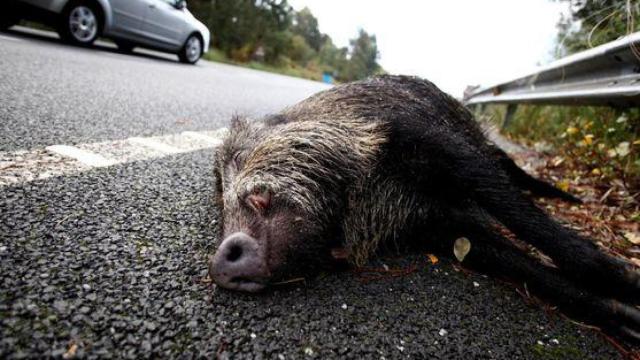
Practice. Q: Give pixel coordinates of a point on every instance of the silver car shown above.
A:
(164, 25)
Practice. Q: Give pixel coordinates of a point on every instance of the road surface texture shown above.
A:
(111, 261)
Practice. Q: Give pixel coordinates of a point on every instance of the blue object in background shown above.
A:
(327, 78)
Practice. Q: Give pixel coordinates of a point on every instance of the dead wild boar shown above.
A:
(393, 161)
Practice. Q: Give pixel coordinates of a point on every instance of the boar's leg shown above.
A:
(447, 166)
(527, 182)
(492, 253)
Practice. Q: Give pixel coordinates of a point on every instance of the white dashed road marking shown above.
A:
(83, 156)
(156, 145)
(56, 160)
(213, 141)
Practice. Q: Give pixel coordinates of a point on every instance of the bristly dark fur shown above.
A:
(393, 160)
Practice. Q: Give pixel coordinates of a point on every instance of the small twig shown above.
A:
(626, 353)
(8, 166)
(221, 348)
(597, 25)
(606, 195)
(63, 220)
(290, 281)
(384, 273)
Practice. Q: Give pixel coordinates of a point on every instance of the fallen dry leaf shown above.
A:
(71, 352)
(623, 149)
(563, 185)
(633, 237)
(461, 248)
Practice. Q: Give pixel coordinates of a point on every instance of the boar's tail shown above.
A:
(528, 182)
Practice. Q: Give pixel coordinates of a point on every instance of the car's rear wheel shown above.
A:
(192, 50)
(9, 17)
(6, 21)
(80, 24)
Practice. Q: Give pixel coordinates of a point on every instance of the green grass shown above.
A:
(566, 349)
(598, 141)
(287, 68)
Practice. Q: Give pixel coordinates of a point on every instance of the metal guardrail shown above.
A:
(605, 75)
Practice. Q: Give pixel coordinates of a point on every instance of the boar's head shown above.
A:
(282, 192)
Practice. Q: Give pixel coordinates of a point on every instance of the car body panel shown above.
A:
(165, 24)
(55, 6)
(128, 19)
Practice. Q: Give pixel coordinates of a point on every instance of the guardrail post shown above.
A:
(508, 116)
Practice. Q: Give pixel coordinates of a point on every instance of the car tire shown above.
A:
(125, 46)
(80, 24)
(6, 22)
(192, 50)
(9, 17)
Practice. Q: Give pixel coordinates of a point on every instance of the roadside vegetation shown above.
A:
(600, 142)
(270, 35)
(593, 152)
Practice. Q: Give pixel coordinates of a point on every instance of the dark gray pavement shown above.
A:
(111, 262)
(74, 95)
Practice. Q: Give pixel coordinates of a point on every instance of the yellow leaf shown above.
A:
(563, 185)
(461, 248)
(637, 142)
(572, 130)
(434, 259)
(588, 139)
(596, 171)
(588, 125)
(633, 237)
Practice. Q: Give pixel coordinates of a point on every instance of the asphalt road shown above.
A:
(110, 262)
(74, 95)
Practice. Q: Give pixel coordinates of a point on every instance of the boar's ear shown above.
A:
(238, 123)
(274, 120)
(218, 168)
(218, 189)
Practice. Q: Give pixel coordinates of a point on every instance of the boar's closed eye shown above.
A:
(259, 201)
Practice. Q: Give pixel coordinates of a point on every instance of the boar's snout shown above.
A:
(239, 264)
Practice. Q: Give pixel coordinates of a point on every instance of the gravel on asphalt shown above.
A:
(59, 94)
(112, 263)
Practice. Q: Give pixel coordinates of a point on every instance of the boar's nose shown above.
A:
(239, 264)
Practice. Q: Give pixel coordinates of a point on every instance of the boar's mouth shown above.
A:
(236, 281)
(249, 284)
